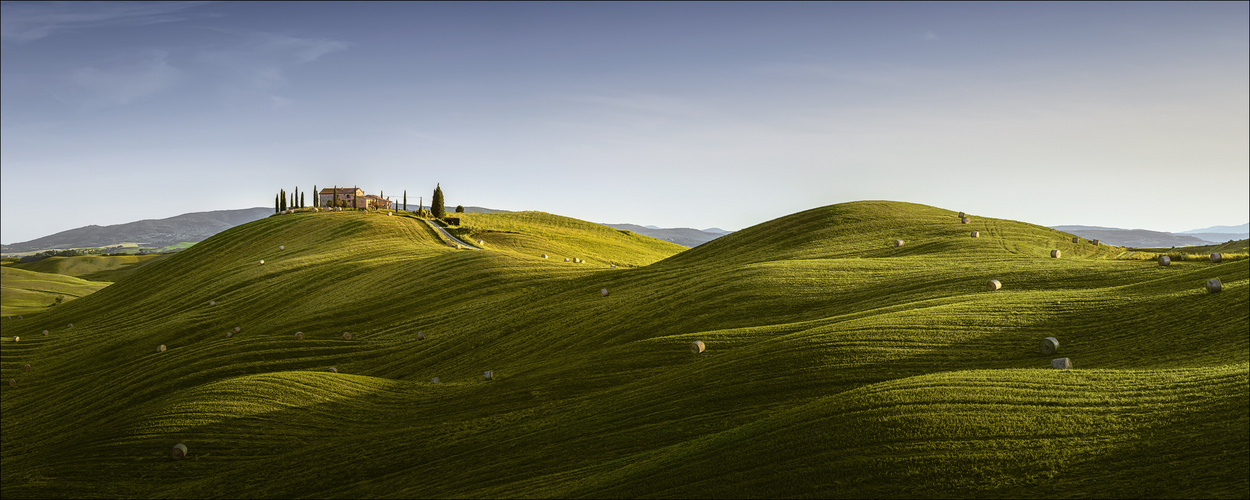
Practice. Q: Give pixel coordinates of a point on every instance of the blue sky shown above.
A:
(697, 114)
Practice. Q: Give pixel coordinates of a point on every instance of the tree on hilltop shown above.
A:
(405, 200)
(316, 197)
(275, 204)
(459, 209)
(436, 204)
(282, 194)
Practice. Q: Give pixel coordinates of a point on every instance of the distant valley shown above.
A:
(1141, 238)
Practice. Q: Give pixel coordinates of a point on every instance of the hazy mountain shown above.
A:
(1242, 229)
(683, 236)
(195, 226)
(1137, 238)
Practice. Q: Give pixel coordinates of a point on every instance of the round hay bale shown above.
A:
(179, 452)
(420, 336)
(544, 256)
(976, 234)
(961, 215)
(236, 329)
(229, 334)
(281, 247)
(71, 325)
(160, 348)
(16, 338)
(45, 332)
(898, 243)
(613, 266)
(262, 262)
(1165, 260)
(388, 214)
(697, 346)
(1061, 363)
(1076, 240)
(603, 292)
(1095, 242)
(299, 335)
(566, 259)
(347, 336)
(480, 242)
(212, 303)
(1050, 345)
(993, 285)
(434, 380)
(1215, 257)
(1214, 285)
(26, 367)
(489, 375)
(12, 382)
(966, 220)
(334, 370)
(19, 316)
(1054, 254)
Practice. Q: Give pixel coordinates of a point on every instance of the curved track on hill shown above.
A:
(449, 236)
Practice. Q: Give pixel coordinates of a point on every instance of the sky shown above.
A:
(702, 114)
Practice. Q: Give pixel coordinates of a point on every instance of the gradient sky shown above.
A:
(1120, 114)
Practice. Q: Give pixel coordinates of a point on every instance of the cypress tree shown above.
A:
(316, 197)
(282, 193)
(336, 195)
(301, 200)
(275, 204)
(436, 204)
(405, 200)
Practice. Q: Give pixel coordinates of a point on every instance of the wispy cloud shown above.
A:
(259, 60)
(127, 79)
(28, 21)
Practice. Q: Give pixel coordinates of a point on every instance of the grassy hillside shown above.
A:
(837, 365)
(93, 267)
(25, 292)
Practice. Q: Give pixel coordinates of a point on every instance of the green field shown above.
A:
(837, 365)
(24, 292)
(93, 267)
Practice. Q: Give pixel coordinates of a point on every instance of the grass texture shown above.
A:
(837, 365)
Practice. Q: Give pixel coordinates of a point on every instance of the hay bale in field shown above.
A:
(237, 329)
(262, 262)
(603, 292)
(434, 380)
(45, 332)
(976, 234)
(281, 247)
(16, 338)
(1054, 254)
(347, 336)
(179, 451)
(1061, 363)
(1214, 285)
(229, 334)
(334, 370)
(1215, 257)
(420, 336)
(480, 242)
(19, 316)
(160, 348)
(388, 214)
(898, 243)
(1165, 260)
(26, 367)
(12, 382)
(993, 285)
(566, 259)
(697, 346)
(961, 215)
(71, 325)
(966, 220)
(1050, 345)
(299, 335)
(489, 375)
(544, 256)
(212, 303)
(1095, 242)
(1076, 240)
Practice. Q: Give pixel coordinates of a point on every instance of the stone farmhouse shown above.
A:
(354, 197)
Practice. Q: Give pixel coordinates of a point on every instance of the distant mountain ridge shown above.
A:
(683, 236)
(192, 227)
(1142, 238)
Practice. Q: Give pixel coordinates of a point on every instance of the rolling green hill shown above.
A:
(837, 365)
(93, 267)
(24, 292)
